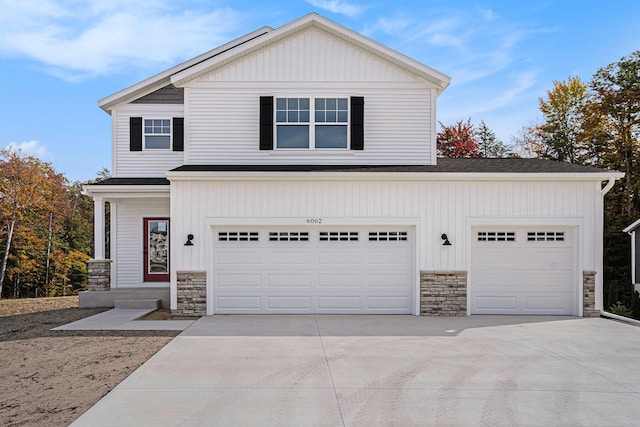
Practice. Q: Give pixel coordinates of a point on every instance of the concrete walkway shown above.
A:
(124, 320)
(384, 370)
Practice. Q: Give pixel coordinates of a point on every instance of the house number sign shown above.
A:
(314, 220)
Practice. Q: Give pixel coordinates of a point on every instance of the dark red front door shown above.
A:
(156, 250)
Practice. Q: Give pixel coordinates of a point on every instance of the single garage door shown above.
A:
(313, 270)
(524, 270)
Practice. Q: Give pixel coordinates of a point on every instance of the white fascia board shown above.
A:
(388, 176)
(439, 79)
(126, 191)
(632, 227)
(162, 79)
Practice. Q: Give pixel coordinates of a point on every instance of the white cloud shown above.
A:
(78, 39)
(336, 6)
(390, 26)
(31, 148)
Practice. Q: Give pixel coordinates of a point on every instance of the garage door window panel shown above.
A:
(339, 236)
(238, 236)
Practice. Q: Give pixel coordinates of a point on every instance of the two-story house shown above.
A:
(294, 170)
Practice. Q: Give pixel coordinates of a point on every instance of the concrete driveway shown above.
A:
(384, 370)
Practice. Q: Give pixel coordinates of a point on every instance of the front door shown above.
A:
(156, 249)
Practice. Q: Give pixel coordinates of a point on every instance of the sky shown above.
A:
(59, 57)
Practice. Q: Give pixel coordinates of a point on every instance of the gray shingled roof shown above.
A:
(133, 181)
(445, 165)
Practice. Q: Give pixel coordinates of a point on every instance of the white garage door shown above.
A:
(313, 270)
(523, 271)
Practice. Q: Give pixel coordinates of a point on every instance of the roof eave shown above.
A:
(632, 227)
(392, 176)
(164, 78)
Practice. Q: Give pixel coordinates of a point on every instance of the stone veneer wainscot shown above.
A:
(443, 293)
(589, 294)
(191, 293)
(99, 274)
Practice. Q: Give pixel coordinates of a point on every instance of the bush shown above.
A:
(620, 309)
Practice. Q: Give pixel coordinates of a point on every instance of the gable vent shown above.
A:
(238, 236)
(545, 236)
(288, 236)
(338, 236)
(387, 236)
(496, 236)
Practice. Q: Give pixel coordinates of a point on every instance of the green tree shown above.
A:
(563, 112)
(488, 143)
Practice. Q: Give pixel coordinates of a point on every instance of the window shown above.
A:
(338, 236)
(157, 134)
(387, 236)
(238, 236)
(289, 236)
(496, 236)
(545, 236)
(297, 126)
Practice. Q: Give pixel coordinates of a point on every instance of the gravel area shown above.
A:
(49, 378)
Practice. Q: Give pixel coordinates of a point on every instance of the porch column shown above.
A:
(98, 228)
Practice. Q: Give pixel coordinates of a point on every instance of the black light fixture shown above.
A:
(189, 240)
(446, 240)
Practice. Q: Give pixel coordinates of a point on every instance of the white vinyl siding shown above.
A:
(128, 262)
(311, 55)
(223, 128)
(223, 106)
(146, 163)
(435, 207)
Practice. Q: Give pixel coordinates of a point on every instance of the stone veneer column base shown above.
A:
(443, 293)
(99, 274)
(589, 294)
(191, 293)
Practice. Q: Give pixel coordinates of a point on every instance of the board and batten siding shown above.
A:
(145, 163)
(435, 207)
(128, 240)
(311, 55)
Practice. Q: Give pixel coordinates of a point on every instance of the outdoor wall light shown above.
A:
(189, 240)
(446, 240)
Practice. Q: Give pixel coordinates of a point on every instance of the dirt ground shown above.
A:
(49, 378)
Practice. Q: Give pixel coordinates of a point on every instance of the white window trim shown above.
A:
(144, 134)
(312, 124)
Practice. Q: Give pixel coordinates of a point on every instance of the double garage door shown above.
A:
(524, 270)
(314, 270)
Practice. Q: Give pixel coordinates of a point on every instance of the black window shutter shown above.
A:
(135, 133)
(178, 134)
(357, 123)
(266, 122)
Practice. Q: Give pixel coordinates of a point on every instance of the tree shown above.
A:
(616, 90)
(489, 144)
(527, 142)
(23, 188)
(458, 140)
(563, 112)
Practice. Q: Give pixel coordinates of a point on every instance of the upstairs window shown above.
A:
(157, 134)
(300, 127)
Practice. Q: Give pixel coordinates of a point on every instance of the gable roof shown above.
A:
(208, 61)
(163, 79)
(314, 20)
